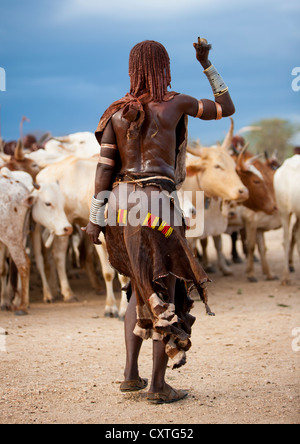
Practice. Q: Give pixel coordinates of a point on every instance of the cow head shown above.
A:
(216, 171)
(258, 178)
(48, 210)
(19, 162)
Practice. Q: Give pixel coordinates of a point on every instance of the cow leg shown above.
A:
(59, 250)
(221, 258)
(5, 299)
(263, 256)
(37, 248)
(235, 255)
(22, 263)
(124, 303)
(286, 221)
(297, 235)
(209, 268)
(111, 309)
(251, 243)
(292, 246)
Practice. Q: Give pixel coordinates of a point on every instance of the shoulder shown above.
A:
(185, 99)
(186, 104)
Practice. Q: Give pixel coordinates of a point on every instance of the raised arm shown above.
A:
(207, 109)
(105, 174)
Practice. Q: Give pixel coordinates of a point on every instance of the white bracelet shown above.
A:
(97, 212)
(218, 85)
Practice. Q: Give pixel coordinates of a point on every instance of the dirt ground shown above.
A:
(64, 363)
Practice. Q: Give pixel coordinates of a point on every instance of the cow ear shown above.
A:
(29, 201)
(196, 152)
(5, 172)
(193, 170)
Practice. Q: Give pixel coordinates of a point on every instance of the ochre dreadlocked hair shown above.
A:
(149, 69)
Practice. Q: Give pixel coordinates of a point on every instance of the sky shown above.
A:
(66, 61)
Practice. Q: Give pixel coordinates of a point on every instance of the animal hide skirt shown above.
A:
(145, 237)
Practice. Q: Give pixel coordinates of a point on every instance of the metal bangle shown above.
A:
(200, 110)
(219, 111)
(97, 212)
(218, 85)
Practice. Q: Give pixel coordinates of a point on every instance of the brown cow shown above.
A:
(258, 178)
(260, 213)
(19, 162)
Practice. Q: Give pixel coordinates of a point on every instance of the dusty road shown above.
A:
(63, 363)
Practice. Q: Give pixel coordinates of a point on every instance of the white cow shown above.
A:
(287, 190)
(15, 201)
(76, 178)
(82, 145)
(47, 211)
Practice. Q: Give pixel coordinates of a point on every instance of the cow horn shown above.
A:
(44, 137)
(62, 139)
(19, 153)
(246, 129)
(254, 158)
(228, 139)
(1, 145)
(266, 155)
(241, 156)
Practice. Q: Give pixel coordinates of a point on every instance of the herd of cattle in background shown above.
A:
(46, 188)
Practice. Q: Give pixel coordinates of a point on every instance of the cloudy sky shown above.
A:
(67, 60)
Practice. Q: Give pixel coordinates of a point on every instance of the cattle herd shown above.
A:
(46, 188)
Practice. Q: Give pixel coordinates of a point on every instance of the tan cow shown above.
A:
(213, 171)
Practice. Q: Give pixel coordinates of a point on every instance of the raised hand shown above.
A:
(202, 52)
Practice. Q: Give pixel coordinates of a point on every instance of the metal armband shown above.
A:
(219, 111)
(200, 110)
(218, 85)
(107, 160)
(97, 212)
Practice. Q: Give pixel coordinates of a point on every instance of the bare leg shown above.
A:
(160, 359)
(133, 342)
